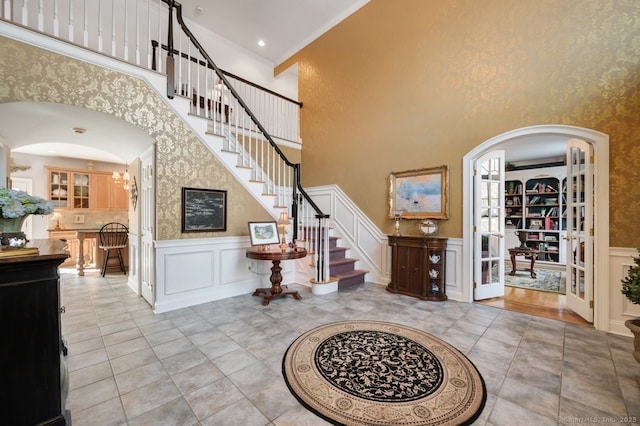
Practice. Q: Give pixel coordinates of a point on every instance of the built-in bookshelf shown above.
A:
(534, 202)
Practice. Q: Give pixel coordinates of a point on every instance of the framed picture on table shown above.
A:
(263, 233)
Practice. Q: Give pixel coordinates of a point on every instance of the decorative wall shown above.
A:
(31, 74)
(398, 88)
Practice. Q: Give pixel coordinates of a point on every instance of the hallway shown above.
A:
(219, 362)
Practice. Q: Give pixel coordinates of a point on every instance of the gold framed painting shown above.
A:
(419, 194)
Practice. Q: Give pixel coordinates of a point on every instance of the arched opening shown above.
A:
(600, 143)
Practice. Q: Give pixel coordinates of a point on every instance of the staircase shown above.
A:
(219, 108)
(343, 268)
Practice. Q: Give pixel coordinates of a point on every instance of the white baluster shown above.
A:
(70, 27)
(85, 26)
(126, 34)
(40, 15)
(56, 22)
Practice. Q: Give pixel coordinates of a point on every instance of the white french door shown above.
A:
(489, 225)
(147, 221)
(579, 222)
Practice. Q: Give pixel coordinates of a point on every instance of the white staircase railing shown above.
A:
(130, 29)
(136, 31)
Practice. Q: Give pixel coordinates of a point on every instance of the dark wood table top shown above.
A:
(523, 251)
(276, 254)
(48, 248)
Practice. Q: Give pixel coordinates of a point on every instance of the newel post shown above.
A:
(171, 70)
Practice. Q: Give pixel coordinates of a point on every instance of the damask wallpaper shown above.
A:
(398, 88)
(31, 74)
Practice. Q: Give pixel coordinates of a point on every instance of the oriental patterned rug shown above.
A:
(378, 373)
(546, 279)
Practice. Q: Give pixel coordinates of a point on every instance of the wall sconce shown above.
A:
(283, 221)
(57, 216)
(125, 178)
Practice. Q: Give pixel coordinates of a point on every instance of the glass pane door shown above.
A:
(80, 191)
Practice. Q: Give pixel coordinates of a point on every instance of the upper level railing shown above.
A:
(129, 29)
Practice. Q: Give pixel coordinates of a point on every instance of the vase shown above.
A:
(634, 326)
(11, 228)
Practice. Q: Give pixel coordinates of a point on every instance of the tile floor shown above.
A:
(219, 363)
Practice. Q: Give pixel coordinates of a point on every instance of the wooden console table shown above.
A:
(513, 252)
(275, 256)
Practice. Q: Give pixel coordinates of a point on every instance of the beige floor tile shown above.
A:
(221, 362)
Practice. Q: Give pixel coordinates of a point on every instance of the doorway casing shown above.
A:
(600, 143)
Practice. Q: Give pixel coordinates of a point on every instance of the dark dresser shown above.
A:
(30, 352)
(418, 266)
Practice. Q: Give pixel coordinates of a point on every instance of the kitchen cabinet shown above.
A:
(85, 190)
(108, 195)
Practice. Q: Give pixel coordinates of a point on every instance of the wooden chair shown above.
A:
(113, 236)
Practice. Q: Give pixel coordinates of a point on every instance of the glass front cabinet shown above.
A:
(68, 189)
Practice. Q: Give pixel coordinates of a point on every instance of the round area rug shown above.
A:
(378, 373)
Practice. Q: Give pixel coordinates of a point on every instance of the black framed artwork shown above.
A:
(204, 210)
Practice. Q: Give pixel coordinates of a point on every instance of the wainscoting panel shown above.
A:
(191, 272)
(351, 225)
(620, 309)
(188, 271)
(454, 269)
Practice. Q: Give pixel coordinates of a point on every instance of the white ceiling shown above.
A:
(42, 128)
(285, 25)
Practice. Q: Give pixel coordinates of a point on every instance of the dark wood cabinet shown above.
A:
(418, 266)
(30, 358)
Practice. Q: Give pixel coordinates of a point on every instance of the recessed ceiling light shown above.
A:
(79, 130)
(261, 43)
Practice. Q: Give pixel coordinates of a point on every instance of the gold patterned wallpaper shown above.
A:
(31, 74)
(398, 88)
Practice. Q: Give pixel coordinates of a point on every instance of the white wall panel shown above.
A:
(189, 271)
(195, 271)
(345, 216)
(620, 309)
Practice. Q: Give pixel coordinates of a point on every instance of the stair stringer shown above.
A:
(365, 240)
(215, 144)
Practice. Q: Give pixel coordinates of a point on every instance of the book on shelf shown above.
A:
(549, 223)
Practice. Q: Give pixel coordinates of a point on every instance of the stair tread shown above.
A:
(342, 261)
(353, 273)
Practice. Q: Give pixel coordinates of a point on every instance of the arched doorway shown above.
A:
(600, 143)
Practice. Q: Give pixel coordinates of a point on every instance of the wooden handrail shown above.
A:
(297, 187)
(155, 45)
